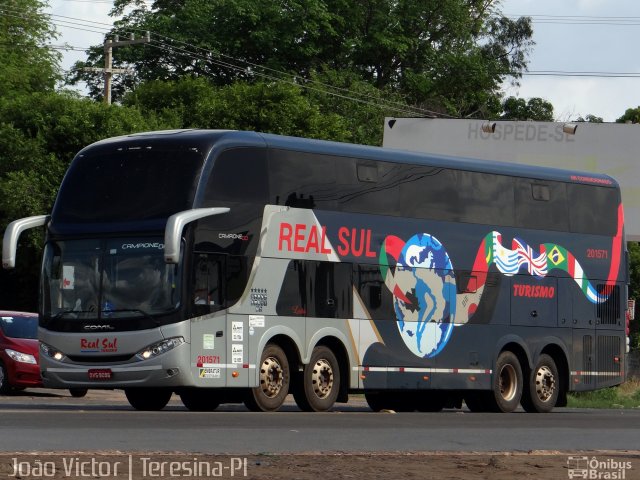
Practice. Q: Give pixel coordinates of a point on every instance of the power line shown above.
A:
(252, 68)
(561, 73)
(255, 70)
(579, 19)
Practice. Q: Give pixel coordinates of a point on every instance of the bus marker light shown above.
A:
(235, 374)
(472, 378)
(362, 377)
(426, 377)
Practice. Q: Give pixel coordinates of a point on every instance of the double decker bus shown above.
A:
(229, 266)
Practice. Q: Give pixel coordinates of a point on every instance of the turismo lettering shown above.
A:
(313, 239)
(533, 291)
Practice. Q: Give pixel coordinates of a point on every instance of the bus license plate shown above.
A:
(100, 374)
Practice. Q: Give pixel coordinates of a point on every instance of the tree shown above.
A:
(39, 135)
(535, 108)
(634, 288)
(590, 119)
(274, 107)
(27, 64)
(451, 56)
(631, 115)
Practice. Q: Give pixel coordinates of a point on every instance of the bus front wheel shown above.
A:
(319, 384)
(273, 379)
(199, 399)
(148, 399)
(542, 390)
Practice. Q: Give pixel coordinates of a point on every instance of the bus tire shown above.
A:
(507, 383)
(148, 399)
(391, 400)
(320, 384)
(274, 379)
(541, 391)
(199, 399)
(478, 401)
(378, 401)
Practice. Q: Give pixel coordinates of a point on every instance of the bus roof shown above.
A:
(206, 140)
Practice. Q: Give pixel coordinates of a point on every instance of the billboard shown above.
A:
(610, 148)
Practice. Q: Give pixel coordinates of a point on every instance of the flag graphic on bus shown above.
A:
(420, 275)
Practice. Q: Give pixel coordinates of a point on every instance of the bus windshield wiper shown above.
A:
(63, 313)
(133, 310)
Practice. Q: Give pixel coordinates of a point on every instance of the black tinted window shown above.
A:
(329, 293)
(302, 180)
(133, 184)
(485, 198)
(239, 175)
(427, 192)
(367, 187)
(593, 209)
(376, 297)
(541, 204)
(292, 297)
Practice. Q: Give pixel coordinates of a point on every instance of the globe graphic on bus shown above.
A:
(425, 295)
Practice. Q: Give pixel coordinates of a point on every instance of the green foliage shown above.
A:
(631, 115)
(590, 119)
(626, 395)
(27, 65)
(634, 291)
(535, 108)
(39, 135)
(450, 55)
(274, 107)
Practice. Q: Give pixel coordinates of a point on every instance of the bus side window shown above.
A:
(292, 298)
(207, 289)
(329, 287)
(375, 295)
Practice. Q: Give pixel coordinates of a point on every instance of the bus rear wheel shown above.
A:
(318, 387)
(199, 399)
(274, 379)
(542, 390)
(507, 383)
(148, 399)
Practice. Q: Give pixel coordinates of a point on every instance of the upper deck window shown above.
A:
(128, 184)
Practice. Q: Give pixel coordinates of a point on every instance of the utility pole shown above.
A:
(108, 69)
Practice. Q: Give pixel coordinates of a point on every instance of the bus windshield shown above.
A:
(90, 279)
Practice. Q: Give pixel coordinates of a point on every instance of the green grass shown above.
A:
(626, 395)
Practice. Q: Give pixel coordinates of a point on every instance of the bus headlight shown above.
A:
(21, 357)
(51, 352)
(159, 348)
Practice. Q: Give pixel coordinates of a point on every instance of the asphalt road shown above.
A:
(52, 421)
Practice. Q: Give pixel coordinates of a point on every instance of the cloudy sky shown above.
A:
(594, 36)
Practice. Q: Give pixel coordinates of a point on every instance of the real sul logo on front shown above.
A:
(98, 345)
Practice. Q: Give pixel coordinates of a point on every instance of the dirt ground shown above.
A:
(335, 466)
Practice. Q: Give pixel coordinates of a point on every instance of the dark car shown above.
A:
(19, 350)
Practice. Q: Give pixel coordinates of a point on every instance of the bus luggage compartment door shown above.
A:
(209, 351)
(238, 368)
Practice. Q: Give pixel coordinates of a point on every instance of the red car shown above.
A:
(19, 351)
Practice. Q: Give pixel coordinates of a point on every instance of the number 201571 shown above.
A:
(597, 253)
